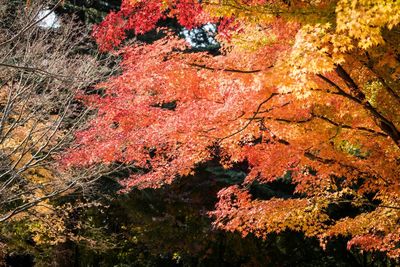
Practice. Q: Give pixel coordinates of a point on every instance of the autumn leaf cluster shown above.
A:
(307, 90)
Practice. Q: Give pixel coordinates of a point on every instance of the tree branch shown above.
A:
(382, 122)
(226, 70)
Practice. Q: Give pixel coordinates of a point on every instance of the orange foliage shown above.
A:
(308, 101)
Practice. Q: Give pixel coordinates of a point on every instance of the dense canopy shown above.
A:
(300, 91)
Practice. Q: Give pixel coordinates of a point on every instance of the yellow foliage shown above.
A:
(254, 14)
(252, 37)
(363, 20)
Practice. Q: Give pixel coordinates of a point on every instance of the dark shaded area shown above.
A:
(170, 227)
(89, 11)
(19, 260)
(281, 188)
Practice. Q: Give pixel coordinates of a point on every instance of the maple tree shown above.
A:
(303, 91)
